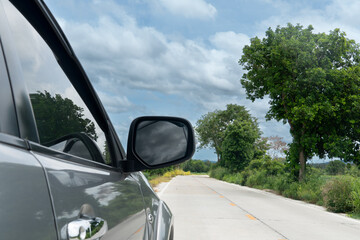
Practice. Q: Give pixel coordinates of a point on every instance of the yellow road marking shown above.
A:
(232, 204)
(250, 217)
(222, 196)
(138, 230)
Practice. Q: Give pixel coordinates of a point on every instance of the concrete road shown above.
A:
(206, 208)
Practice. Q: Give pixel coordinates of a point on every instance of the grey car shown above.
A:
(63, 171)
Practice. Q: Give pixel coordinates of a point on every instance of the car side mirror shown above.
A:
(156, 142)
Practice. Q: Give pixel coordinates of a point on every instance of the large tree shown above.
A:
(212, 126)
(57, 116)
(239, 146)
(313, 82)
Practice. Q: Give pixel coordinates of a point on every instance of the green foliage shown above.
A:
(236, 178)
(57, 116)
(238, 147)
(218, 172)
(292, 190)
(337, 194)
(313, 82)
(311, 188)
(335, 167)
(261, 146)
(196, 166)
(265, 173)
(352, 170)
(355, 196)
(151, 174)
(257, 179)
(211, 127)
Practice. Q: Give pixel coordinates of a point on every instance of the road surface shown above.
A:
(205, 208)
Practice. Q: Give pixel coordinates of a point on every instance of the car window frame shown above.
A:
(41, 19)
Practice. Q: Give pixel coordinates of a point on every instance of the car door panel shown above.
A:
(112, 196)
(154, 206)
(26, 211)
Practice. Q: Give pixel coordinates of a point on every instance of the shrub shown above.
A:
(218, 172)
(355, 196)
(155, 180)
(310, 189)
(175, 172)
(337, 194)
(257, 179)
(292, 190)
(352, 170)
(280, 183)
(196, 166)
(255, 164)
(335, 167)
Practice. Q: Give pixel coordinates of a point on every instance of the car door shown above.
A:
(70, 137)
(85, 194)
(25, 206)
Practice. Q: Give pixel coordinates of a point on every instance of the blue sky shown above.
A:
(179, 58)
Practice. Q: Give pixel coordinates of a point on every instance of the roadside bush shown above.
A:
(196, 166)
(233, 178)
(156, 179)
(280, 183)
(255, 164)
(310, 192)
(292, 190)
(151, 174)
(218, 172)
(337, 194)
(310, 189)
(355, 196)
(175, 173)
(335, 167)
(352, 170)
(257, 179)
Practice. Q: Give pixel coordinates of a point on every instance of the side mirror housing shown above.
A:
(156, 142)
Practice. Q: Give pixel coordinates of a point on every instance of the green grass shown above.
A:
(201, 173)
(354, 215)
(156, 180)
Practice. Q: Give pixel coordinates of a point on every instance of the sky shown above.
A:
(180, 58)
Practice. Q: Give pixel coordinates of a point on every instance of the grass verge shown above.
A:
(166, 177)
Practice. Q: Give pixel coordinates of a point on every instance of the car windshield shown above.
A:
(271, 86)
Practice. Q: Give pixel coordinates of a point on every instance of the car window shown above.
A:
(59, 110)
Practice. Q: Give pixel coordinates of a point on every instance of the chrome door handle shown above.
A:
(87, 228)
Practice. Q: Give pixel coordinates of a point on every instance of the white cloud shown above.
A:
(118, 53)
(189, 8)
(230, 41)
(115, 104)
(341, 14)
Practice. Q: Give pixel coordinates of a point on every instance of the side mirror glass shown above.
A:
(160, 141)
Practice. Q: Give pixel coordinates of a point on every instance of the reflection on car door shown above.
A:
(80, 191)
(25, 210)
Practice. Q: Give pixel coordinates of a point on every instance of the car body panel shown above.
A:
(26, 211)
(163, 218)
(113, 196)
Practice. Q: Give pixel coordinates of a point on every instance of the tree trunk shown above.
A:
(218, 157)
(302, 165)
